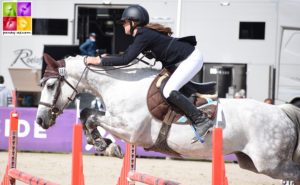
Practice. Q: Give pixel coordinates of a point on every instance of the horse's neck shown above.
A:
(124, 93)
(123, 86)
(79, 75)
(106, 82)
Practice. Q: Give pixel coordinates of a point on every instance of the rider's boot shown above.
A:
(200, 122)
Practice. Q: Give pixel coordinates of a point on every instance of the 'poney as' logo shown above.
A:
(17, 19)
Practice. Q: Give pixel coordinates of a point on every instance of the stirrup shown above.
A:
(198, 137)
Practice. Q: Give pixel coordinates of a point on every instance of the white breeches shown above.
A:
(186, 70)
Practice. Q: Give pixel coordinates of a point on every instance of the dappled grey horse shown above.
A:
(263, 137)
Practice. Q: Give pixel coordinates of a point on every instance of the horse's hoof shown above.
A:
(114, 150)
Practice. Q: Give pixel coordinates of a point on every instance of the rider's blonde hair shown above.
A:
(160, 28)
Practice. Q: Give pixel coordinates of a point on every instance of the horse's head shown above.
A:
(56, 94)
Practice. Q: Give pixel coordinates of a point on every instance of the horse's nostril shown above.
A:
(39, 121)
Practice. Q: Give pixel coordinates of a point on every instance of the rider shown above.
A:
(183, 56)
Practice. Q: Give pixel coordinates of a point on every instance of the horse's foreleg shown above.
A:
(87, 123)
(88, 136)
(93, 135)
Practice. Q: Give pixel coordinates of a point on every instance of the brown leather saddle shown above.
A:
(198, 93)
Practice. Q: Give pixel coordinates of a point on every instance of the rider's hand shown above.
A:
(93, 60)
(103, 55)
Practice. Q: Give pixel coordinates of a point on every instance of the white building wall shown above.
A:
(217, 31)
(288, 55)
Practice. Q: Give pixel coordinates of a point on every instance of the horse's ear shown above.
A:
(50, 61)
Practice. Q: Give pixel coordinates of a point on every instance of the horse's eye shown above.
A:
(50, 86)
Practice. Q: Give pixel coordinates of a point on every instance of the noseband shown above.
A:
(60, 75)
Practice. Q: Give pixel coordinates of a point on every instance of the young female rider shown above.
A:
(182, 56)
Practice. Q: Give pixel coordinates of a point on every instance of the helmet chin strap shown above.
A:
(132, 27)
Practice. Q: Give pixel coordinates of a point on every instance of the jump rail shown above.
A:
(27, 178)
(129, 175)
(12, 174)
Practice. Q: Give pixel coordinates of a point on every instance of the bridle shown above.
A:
(61, 76)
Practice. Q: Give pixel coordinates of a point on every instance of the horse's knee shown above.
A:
(89, 140)
(95, 134)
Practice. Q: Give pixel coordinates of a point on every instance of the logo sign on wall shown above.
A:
(17, 19)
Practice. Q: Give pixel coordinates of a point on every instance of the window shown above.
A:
(50, 26)
(252, 30)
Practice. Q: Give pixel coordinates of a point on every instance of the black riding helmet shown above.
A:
(137, 14)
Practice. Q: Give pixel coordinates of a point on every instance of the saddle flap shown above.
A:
(203, 88)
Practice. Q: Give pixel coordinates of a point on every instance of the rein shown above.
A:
(120, 67)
